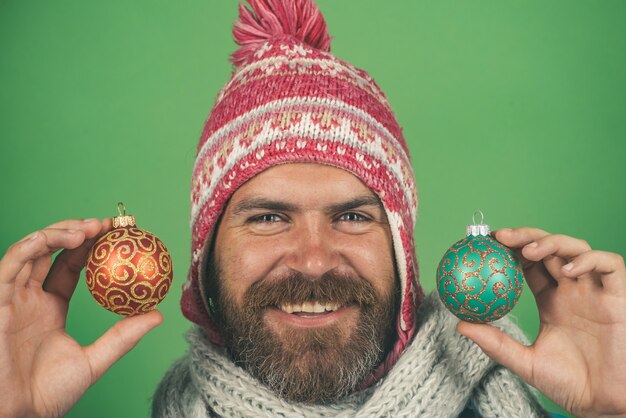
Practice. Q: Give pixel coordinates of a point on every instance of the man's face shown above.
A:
(303, 278)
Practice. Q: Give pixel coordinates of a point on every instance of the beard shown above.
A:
(309, 365)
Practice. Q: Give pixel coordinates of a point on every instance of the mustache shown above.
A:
(296, 287)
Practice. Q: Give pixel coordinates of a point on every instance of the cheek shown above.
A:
(244, 262)
(373, 259)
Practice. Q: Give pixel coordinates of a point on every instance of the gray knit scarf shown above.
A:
(440, 374)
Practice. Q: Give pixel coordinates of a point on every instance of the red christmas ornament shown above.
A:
(129, 270)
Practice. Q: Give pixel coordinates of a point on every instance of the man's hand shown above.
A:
(579, 357)
(43, 371)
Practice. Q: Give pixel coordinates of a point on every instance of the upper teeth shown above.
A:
(310, 307)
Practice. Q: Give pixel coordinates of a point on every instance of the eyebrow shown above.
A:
(262, 203)
(354, 204)
(257, 203)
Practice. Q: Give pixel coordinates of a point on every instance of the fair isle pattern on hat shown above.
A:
(291, 101)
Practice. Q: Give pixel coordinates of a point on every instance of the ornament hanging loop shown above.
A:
(120, 208)
(478, 229)
(482, 216)
(123, 220)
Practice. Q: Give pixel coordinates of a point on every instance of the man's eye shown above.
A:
(265, 218)
(353, 217)
(268, 223)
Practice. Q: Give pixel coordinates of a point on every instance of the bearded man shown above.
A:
(304, 282)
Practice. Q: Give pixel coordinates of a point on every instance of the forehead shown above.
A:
(307, 184)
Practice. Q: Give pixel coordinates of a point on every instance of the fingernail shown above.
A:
(532, 245)
(89, 219)
(72, 231)
(568, 266)
(30, 237)
(499, 231)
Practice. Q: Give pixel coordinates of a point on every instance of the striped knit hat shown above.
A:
(289, 100)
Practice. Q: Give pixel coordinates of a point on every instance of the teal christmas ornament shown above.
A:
(479, 279)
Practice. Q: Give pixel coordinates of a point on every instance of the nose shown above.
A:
(313, 251)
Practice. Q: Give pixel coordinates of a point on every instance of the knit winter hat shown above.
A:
(291, 101)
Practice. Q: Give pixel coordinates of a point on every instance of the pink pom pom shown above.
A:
(270, 18)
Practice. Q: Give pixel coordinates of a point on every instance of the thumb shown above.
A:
(119, 340)
(501, 348)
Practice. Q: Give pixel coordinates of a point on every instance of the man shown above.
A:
(303, 280)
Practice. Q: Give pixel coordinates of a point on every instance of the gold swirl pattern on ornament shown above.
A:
(129, 271)
(447, 263)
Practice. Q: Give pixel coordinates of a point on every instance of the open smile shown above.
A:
(307, 308)
(311, 313)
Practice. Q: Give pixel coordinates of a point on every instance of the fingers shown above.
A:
(65, 271)
(23, 254)
(566, 258)
(36, 245)
(538, 278)
(500, 347)
(17, 257)
(535, 273)
(54, 240)
(35, 268)
(518, 237)
(557, 245)
(70, 235)
(73, 223)
(30, 258)
(610, 266)
(119, 340)
(554, 251)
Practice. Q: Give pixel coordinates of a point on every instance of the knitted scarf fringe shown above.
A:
(439, 375)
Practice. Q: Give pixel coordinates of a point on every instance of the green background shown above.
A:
(516, 108)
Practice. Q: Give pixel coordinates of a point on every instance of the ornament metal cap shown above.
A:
(480, 228)
(123, 220)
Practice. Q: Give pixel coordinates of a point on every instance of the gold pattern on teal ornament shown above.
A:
(479, 279)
